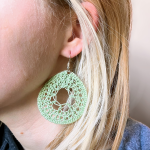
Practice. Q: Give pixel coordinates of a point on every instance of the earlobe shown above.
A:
(77, 49)
(73, 48)
(74, 45)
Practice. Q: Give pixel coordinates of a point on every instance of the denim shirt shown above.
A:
(136, 137)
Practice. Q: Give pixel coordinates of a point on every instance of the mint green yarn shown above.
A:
(74, 107)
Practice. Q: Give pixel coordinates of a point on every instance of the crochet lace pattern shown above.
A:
(74, 107)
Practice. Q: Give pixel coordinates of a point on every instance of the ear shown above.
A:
(74, 43)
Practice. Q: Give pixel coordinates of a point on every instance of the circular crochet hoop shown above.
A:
(68, 112)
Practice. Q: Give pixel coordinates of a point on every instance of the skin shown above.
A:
(29, 56)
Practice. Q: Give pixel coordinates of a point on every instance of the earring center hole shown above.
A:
(62, 97)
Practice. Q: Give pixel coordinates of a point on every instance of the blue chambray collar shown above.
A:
(7, 139)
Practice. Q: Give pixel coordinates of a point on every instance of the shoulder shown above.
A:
(136, 136)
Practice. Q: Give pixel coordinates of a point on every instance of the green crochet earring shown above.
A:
(74, 107)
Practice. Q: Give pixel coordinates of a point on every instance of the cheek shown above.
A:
(26, 56)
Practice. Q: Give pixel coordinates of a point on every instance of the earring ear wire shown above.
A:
(68, 64)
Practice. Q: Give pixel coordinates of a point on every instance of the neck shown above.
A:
(29, 127)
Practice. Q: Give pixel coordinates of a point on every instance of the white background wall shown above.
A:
(139, 54)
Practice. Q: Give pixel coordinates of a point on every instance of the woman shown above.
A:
(38, 39)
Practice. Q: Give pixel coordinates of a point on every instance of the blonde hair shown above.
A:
(103, 68)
